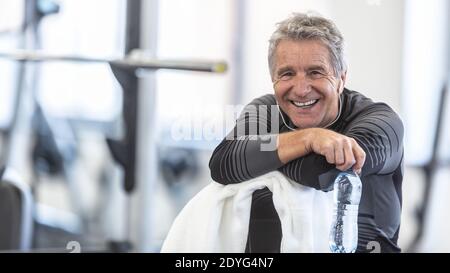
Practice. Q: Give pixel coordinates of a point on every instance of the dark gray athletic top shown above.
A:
(376, 128)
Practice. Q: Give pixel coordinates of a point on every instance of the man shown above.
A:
(320, 128)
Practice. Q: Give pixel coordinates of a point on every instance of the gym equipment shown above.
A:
(124, 151)
(135, 60)
(16, 204)
(429, 170)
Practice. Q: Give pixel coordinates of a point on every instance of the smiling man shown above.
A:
(320, 128)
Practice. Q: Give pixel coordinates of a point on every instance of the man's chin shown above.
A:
(305, 125)
(304, 122)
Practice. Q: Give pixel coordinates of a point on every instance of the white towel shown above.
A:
(217, 218)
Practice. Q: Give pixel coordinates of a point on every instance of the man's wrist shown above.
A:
(294, 144)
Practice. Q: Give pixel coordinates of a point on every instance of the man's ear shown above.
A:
(342, 80)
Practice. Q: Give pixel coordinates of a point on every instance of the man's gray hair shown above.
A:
(309, 26)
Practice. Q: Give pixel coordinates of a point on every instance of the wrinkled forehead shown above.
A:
(302, 53)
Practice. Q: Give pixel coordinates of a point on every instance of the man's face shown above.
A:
(305, 85)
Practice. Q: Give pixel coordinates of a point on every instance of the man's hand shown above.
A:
(340, 150)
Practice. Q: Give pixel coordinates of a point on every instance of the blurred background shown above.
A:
(98, 156)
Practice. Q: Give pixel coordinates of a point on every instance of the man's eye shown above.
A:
(316, 73)
(286, 76)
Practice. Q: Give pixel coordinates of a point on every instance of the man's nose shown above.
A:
(301, 85)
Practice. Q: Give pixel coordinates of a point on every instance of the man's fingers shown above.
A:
(342, 167)
(354, 156)
(342, 151)
(360, 157)
(349, 157)
(339, 157)
(329, 156)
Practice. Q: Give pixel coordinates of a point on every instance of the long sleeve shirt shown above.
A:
(249, 150)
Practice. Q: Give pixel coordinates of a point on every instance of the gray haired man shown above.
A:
(321, 128)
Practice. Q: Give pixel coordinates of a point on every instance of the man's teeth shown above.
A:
(304, 104)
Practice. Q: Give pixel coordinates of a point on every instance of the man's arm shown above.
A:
(377, 130)
(242, 155)
(340, 150)
(310, 156)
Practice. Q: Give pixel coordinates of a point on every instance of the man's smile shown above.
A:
(304, 104)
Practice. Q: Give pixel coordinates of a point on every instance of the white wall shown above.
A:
(374, 42)
(426, 55)
(425, 69)
(10, 20)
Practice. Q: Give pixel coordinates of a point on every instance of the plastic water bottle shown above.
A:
(344, 228)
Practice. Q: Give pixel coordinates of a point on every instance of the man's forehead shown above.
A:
(318, 62)
(305, 52)
(311, 45)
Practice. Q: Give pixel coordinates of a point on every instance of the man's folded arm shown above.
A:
(249, 150)
(378, 131)
(234, 161)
